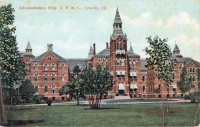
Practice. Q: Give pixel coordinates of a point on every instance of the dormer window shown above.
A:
(49, 58)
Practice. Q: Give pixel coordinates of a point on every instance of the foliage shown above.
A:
(75, 87)
(38, 98)
(184, 84)
(16, 96)
(193, 97)
(160, 58)
(12, 67)
(97, 83)
(48, 101)
(27, 90)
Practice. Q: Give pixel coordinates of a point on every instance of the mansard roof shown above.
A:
(103, 53)
(72, 62)
(39, 58)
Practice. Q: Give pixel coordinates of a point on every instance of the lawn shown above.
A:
(181, 114)
(138, 100)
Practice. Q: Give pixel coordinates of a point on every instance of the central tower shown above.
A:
(119, 57)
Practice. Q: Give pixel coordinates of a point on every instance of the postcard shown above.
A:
(59, 40)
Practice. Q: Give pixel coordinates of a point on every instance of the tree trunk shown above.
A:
(77, 100)
(168, 101)
(10, 97)
(2, 114)
(163, 110)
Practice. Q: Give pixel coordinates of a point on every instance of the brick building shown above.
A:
(49, 71)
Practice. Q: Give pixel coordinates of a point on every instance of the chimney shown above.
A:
(107, 45)
(94, 49)
(49, 47)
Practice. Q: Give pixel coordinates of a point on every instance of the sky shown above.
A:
(73, 31)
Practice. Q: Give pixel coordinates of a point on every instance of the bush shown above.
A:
(49, 101)
(193, 97)
(38, 98)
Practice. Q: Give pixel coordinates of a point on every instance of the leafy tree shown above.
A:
(10, 57)
(161, 60)
(184, 84)
(27, 90)
(75, 87)
(97, 83)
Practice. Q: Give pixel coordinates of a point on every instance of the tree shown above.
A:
(184, 84)
(10, 57)
(27, 90)
(75, 87)
(97, 83)
(161, 60)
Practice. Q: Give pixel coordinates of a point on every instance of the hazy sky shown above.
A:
(73, 31)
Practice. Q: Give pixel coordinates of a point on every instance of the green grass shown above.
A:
(137, 100)
(181, 114)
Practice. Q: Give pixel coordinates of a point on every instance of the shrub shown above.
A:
(193, 97)
(38, 98)
(49, 101)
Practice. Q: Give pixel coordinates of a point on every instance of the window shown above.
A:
(36, 89)
(36, 66)
(27, 69)
(49, 58)
(27, 61)
(45, 67)
(36, 77)
(190, 69)
(193, 78)
(143, 78)
(174, 89)
(53, 77)
(180, 66)
(53, 89)
(118, 61)
(46, 89)
(135, 89)
(193, 69)
(63, 78)
(62, 67)
(190, 78)
(53, 66)
(120, 46)
(122, 62)
(119, 26)
(159, 86)
(134, 63)
(45, 77)
(173, 76)
(143, 88)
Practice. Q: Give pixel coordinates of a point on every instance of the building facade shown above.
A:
(49, 71)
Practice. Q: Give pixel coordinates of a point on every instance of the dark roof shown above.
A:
(117, 17)
(132, 54)
(72, 62)
(103, 53)
(143, 63)
(38, 59)
(178, 59)
(28, 46)
(188, 59)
